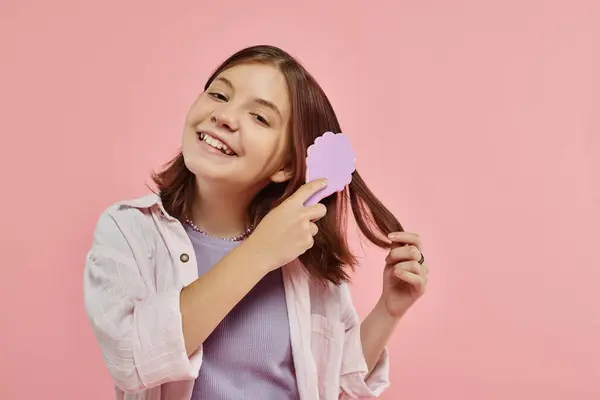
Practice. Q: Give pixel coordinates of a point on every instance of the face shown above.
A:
(236, 131)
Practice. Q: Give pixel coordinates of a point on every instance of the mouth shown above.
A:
(216, 144)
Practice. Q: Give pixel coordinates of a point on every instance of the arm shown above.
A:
(139, 332)
(206, 302)
(287, 231)
(404, 280)
(365, 366)
(375, 332)
(143, 336)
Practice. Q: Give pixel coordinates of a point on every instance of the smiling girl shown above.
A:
(223, 285)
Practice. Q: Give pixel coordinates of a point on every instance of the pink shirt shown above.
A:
(140, 260)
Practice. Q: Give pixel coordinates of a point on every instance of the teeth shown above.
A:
(216, 143)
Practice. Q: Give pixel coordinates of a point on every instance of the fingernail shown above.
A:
(392, 236)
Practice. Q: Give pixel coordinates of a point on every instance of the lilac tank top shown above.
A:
(248, 355)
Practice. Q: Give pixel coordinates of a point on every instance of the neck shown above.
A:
(220, 213)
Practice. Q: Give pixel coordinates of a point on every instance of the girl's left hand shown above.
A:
(404, 278)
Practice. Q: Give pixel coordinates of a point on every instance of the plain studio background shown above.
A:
(478, 123)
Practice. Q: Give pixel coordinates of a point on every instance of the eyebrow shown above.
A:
(257, 100)
(225, 81)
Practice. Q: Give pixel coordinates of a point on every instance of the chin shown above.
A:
(207, 171)
(203, 168)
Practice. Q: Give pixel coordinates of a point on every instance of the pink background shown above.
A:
(477, 122)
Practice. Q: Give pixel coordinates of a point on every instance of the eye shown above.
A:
(217, 96)
(260, 119)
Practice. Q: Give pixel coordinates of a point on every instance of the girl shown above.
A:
(224, 285)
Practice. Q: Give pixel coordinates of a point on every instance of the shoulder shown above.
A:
(131, 209)
(140, 203)
(126, 217)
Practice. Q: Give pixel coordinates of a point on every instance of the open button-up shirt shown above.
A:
(139, 261)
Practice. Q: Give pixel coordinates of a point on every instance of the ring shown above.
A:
(422, 260)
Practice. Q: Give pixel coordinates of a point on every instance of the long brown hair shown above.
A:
(312, 115)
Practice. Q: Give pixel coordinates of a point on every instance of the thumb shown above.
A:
(308, 189)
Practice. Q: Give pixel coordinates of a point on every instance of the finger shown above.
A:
(413, 279)
(406, 238)
(408, 266)
(403, 253)
(308, 189)
(316, 212)
(314, 229)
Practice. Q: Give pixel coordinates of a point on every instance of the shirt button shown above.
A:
(184, 257)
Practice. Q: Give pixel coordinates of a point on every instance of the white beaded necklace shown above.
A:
(236, 238)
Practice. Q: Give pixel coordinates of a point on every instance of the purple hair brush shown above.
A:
(330, 157)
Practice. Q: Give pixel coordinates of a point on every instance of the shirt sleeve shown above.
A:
(354, 381)
(139, 330)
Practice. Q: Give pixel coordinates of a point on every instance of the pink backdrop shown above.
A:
(477, 122)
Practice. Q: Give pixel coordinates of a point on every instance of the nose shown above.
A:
(224, 120)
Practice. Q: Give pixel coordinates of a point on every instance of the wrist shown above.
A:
(255, 255)
(383, 312)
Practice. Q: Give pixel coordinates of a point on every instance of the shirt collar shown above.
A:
(149, 201)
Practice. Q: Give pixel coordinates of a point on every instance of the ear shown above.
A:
(282, 175)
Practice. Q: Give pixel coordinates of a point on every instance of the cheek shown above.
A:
(198, 111)
(188, 137)
(186, 145)
(268, 152)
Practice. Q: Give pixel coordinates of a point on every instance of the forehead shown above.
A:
(256, 80)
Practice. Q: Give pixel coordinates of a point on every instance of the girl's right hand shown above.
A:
(287, 231)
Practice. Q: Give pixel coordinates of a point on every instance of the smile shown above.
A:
(216, 144)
